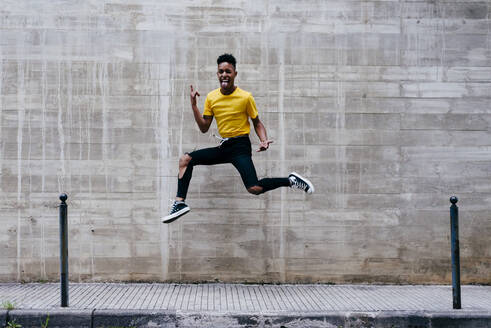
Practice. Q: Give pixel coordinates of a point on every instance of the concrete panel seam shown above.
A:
(92, 318)
(7, 318)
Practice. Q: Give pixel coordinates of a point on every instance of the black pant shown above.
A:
(236, 151)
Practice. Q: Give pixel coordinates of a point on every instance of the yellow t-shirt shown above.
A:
(231, 111)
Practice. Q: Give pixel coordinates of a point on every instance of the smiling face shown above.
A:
(226, 74)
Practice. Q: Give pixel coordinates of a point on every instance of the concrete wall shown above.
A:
(385, 105)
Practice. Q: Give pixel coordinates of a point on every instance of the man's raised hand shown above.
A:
(264, 145)
(193, 95)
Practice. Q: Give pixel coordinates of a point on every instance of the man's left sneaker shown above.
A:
(178, 210)
(299, 182)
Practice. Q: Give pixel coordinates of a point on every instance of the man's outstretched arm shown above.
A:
(261, 133)
(203, 122)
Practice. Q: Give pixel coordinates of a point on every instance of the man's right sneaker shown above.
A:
(299, 182)
(178, 210)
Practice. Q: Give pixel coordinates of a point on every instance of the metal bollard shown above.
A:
(64, 250)
(454, 235)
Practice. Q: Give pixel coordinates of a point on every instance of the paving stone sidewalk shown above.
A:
(240, 305)
(248, 298)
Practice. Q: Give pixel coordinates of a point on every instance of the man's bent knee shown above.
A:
(255, 190)
(183, 164)
(184, 160)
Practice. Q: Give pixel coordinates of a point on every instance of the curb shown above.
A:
(70, 318)
(384, 319)
(180, 319)
(476, 319)
(3, 317)
(134, 318)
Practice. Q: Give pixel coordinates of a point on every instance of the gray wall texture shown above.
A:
(384, 105)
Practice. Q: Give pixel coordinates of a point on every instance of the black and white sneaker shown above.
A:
(178, 210)
(299, 182)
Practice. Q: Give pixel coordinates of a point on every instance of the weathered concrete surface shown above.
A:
(3, 317)
(134, 318)
(184, 319)
(384, 105)
(69, 318)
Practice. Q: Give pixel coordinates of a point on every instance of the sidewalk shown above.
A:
(238, 305)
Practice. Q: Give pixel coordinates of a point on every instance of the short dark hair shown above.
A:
(227, 58)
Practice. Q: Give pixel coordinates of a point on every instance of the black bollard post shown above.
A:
(64, 250)
(454, 235)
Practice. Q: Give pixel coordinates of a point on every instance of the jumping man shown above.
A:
(232, 107)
